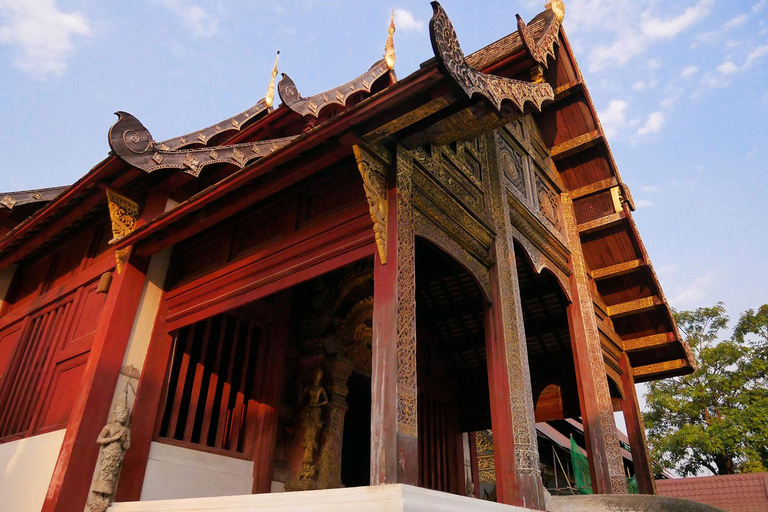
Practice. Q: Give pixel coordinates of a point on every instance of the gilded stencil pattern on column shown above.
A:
(595, 352)
(516, 351)
(406, 299)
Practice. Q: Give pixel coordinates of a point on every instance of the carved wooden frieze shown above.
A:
(234, 123)
(132, 142)
(549, 203)
(312, 106)
(511, 162)
(123, 213)
(495, 89)
(374, 175)
(539, 49)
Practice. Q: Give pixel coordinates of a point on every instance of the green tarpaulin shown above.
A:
(580, 469)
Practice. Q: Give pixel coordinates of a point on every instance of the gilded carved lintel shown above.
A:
(374, 175)
(123, 213)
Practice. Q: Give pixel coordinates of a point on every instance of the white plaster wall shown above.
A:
(26, 467)
(174, 472)
(380, 498)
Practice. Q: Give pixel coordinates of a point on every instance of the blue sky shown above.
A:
(680, 88)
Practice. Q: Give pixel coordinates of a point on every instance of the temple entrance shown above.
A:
(280, 387)
(451, 364)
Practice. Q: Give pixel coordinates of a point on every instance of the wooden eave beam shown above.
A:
(634, 307)
(594, 188)
(659, 370)
(601, 223)
(567, 89)
(619, 269)
(575, 145)
(648, 342)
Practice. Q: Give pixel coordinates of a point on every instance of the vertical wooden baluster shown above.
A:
(181, 381)
(197, 383)
(213, 383)
(226, 388)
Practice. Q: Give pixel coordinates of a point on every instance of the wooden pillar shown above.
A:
(646, 483)
(72, 474)
(606, 466)
(394, 441)
(516, 455)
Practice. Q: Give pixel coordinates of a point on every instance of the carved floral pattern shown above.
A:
(375, 182)
(123, 213)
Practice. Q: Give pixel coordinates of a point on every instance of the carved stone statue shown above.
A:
(115, 439)
(312, 422)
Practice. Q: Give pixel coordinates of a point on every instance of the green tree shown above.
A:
(715, 418)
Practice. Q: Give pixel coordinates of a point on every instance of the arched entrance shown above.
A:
(452, 375)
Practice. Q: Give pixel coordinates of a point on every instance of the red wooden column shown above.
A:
(394, 441)
(633, 418)
(516, 454)
(74, 468)
(146, 407)
(264, 414)
(605, 462)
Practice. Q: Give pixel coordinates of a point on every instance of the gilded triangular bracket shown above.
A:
(374, 175)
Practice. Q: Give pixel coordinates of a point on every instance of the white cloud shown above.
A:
(656, 28)
(643, 203)
(693, 293)
(613, 118)
(639, 86)
(688, 72)
(653, 124)
(728, 68)
(42, 33)
(653, 63)
(737, 21)
(635, 26)
(405, 21)
(757, 53)
(649, 189)
(194, 17)
(759, 6)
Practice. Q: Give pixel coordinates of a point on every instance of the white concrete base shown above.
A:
(174, 472)
(381, 498)
(26, 467)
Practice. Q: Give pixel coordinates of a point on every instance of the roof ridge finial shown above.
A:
(389, 48)
(270, 96)
(557, 7)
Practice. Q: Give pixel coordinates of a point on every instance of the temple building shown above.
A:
(424, 281)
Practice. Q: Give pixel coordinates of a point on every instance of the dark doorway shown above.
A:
(356, 443)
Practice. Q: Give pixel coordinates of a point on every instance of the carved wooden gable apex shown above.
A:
(495, 89)
(132, 142)
(374, 173)
(312, 106)
(540, 49)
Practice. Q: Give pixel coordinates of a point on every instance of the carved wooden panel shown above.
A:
(548, 202)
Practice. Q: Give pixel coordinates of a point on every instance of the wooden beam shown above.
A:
(565, 90)
(594, 188)
(619, 269)
(633, 307)
(575, 145)
(658, 368)
(652, 341)
(601, 223)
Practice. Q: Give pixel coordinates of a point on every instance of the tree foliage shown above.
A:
(715, 418)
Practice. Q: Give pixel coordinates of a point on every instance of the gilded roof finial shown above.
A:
(389, 48)
(557, 7)
(270, 97)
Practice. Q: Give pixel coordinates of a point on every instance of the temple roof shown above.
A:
(487, 88)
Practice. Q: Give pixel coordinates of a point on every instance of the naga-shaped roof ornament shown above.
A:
(133, 143)
(312, 106)
(494, 88)
(539, 49)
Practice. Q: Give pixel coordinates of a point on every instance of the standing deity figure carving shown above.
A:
(312, 414)
(115, 439)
